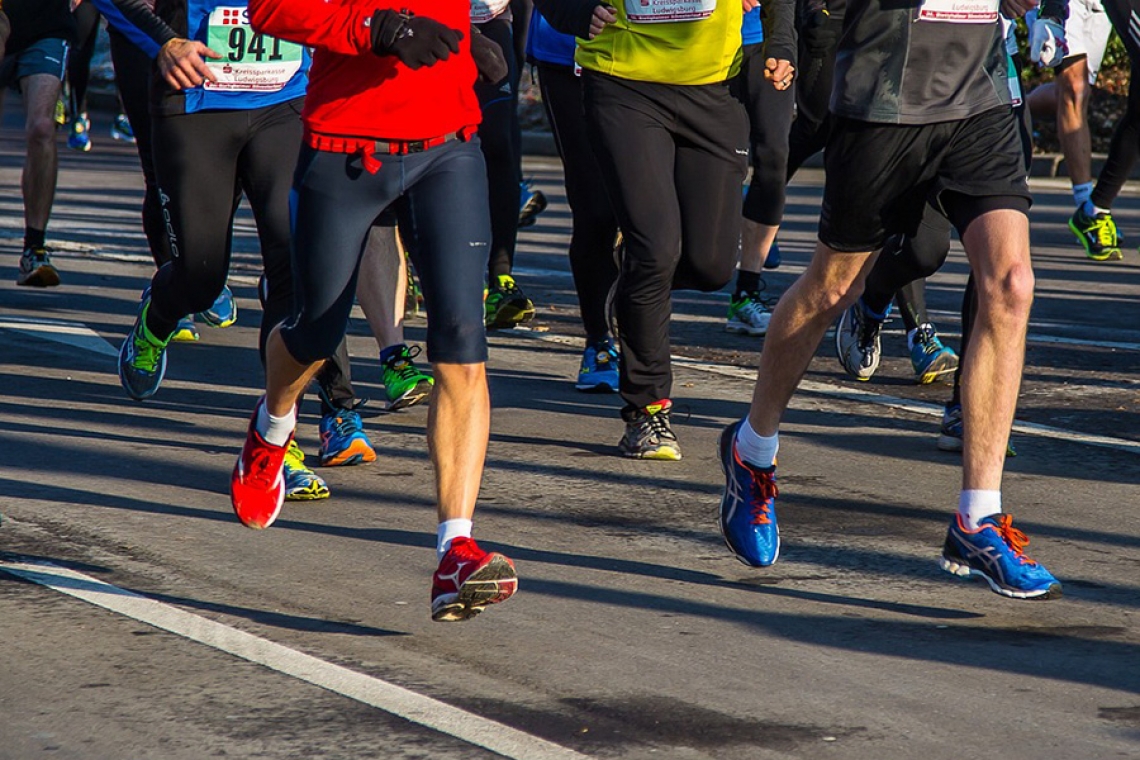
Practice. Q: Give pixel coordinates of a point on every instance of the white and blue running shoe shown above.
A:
(996, 552)
(748, 507)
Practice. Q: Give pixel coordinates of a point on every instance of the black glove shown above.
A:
(819, 35)
(489, 58)
(416, 40)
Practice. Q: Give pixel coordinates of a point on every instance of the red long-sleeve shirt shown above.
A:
(355, 93)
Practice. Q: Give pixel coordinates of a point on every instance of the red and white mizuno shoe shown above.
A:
(257, 488)
(469, 579)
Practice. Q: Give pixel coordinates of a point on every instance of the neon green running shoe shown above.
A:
(506, 306)
(1097, 234)
(404, 383)
(142, 358)
(301, 483)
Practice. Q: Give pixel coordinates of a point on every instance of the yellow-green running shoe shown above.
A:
(301, 483)
(1097, 234)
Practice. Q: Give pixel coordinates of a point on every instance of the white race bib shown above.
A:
(250, 61)
(959, 11)
(665, 11)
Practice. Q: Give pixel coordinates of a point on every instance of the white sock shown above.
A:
(449, 530)
(974, 506)
(1082, 192)
(758, 450)
(275, 430)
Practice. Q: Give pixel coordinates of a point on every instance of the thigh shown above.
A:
(985, 158)
(265, 169)
(444, 219)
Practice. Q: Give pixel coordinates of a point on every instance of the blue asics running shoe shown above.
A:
(599, 370)
(748, 507)
(929, 357)
(996, 552)
(343, 441)
(223, 313)
(142, 358)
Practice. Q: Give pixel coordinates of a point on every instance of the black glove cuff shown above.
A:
(387, 27)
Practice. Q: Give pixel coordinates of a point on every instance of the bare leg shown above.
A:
(285, 378)
(459, 425)
(380, 288)
(830, 284)
(997, 245)
(755, 243)
(40, 94)
(1072, 122)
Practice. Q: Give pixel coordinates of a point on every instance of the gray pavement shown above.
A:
(634, 634)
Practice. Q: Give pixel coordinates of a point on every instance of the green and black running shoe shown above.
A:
(1097, 234)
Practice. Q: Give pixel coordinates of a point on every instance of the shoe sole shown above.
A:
(307, 495)
(595, 388)
(495, 582)
(509, 317)
(43, 276)
(357, 453)
(1105, 255)
(535, 205)
(662, 454)
(962, 570)
(412, 397)
(745, 330)
(185, 336)
(942, 365)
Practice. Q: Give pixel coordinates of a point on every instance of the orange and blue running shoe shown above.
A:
(469, 579)
(343, 441)
(996, 552)
(748, 507)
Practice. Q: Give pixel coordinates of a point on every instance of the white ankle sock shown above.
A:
(449, 530)
(758, 450)
(973, 506)
(275, 430)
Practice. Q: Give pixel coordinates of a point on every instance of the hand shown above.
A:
(780, 73)
(1047, 46)
(603, 16)
(182, 63)
(750, 5)
(417, 41)
(489, 60)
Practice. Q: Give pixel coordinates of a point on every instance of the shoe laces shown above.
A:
(927, 338)
(346, 422)
(656, 425)
(261, 467)
(868, 328)
(401, 363)
(763, 492)
(1105, 230)
(1015, 539)
(147, 354)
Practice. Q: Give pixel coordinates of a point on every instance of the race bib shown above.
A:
(485, 10)
(959, 11)
(250, 61)
(665, 11)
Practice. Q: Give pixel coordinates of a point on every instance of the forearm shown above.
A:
(137, 22)
(779, 18)
(569, 16)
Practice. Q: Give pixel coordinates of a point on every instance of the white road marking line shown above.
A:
(73, 334)
(416, 708)
(868, 397)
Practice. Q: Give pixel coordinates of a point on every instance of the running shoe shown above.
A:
(857, 342)
(343, 441)
(469, 579)
(79, 137)
(1097, 234)
(599, 370)
(506, 306)
(301, 483)
(747, 315)
(60, 113)
(748, 507)
(950, 433)
(142, 358)
(774, 259)
(996, 552)
(404, 383)
(223, 312)
(257, 487)
(36, 269)
(929, 357)
(648, 434)
(121, 129)
(531, 204)
(185, 332)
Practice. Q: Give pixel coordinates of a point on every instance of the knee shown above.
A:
(1007, 294)
(711, 275)
(41, 132)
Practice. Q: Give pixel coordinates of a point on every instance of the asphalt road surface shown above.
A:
(139, 619)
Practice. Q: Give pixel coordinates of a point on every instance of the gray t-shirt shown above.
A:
(919, 61)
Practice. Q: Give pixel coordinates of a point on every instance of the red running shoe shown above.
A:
(468, 579)
(257, 488)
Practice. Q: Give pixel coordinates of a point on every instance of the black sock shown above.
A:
(747, 282)
(33, 238)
